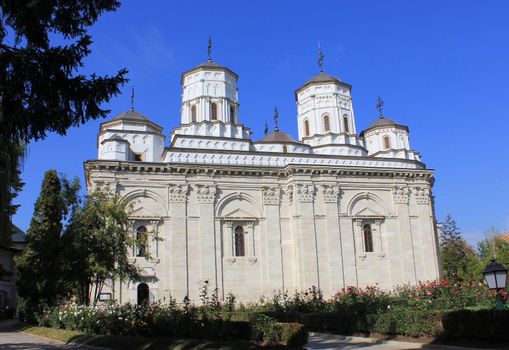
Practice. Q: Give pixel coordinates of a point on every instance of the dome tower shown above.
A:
(325, 115)
(388, 139)
(210, 106)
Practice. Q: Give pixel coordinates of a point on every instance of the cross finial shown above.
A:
(209, 49)
(380, 106)
(320, 58)
(132, 98)
(266, 130)
(276, 118)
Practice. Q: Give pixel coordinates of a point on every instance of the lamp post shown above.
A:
(495, 276)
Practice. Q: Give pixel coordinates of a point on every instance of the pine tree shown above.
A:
(38, 266)
(450, 231)
(458, 257)
(42, 48)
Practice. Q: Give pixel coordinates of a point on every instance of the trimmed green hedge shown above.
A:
(484, 325)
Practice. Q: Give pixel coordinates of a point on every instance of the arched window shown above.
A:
(387, 142)
(141, 241)
(306, 128)
(143, 294)
(285, 149)
(232, 114)
(326, 123)
(239, 241)
(368, 238)
(213, 111)
(345, 124)
(193, 113)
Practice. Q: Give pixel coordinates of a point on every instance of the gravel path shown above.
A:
(11, 339)
(322, 341)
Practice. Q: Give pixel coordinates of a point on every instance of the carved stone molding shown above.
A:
(206, 193)
(229, 224)
(271, 195)
(305, 193)
(331, 193)
(400, 195)
(421, 195)
(178, 193)
(358, 222)
(289, 194)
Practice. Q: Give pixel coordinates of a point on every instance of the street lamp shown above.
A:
(495, 276)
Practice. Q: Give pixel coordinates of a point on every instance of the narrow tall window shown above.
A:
(326, 123)
(345, 123)
(232, 115)
(141, 241)
(368, 238)
(239, 241)
(193, 113)
(387, 142)
(306, 127)
(285, 149)
(213, 111)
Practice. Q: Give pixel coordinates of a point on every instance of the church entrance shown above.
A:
(143, 293)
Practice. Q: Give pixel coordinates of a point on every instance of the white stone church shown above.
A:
(334, 208)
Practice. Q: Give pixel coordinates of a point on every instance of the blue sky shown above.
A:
(442, 68)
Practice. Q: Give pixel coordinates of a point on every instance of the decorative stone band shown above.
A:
(421, 195)
(165, 168)
(205, 194)
(178, 193)
(271, 195)
(400, 195)
(331, 193)
(269, 160)
(305, 192)
(289, 194)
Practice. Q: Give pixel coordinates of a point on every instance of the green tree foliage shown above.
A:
(42, 48)
(38, 266)
(493, 246)
(10, 186)
(98, 240)
(458, 257)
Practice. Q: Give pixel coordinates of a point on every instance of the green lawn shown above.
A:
(135, 343)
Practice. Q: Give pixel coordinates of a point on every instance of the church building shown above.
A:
(331, 209)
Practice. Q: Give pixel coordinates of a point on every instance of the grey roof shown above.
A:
(322, 78)
(208, 65)
(278, 136)
(18, 235)
(384, 122)
(131, 115)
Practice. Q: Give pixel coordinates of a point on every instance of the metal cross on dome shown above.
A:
(209, 49)
(380, 106)
(132, 98)
(276, 118)
(320, 58)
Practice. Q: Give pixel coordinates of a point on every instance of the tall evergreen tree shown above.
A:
(458, 257)
(42, 48)
(38, 266)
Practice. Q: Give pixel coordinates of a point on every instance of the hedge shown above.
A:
(163, 321)
(484, 325)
